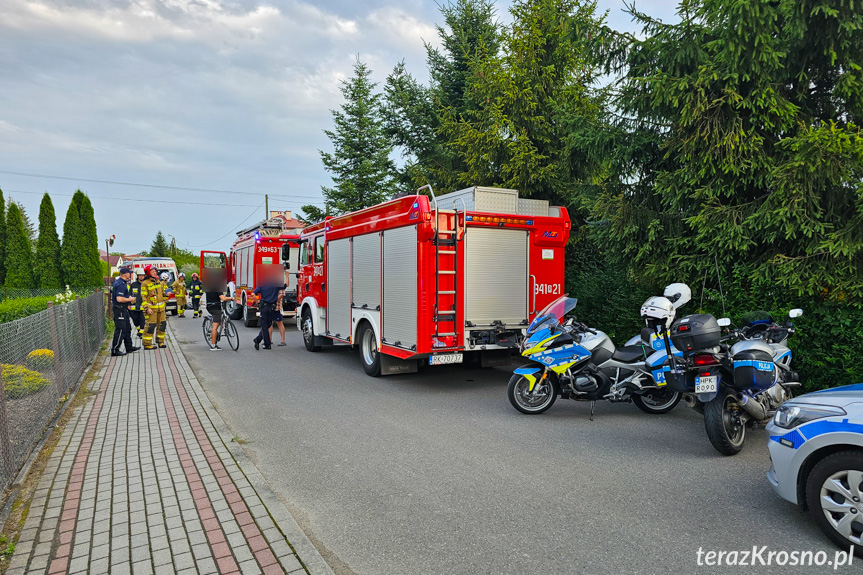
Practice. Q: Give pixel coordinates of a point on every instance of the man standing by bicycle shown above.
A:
(214, 301)
(269, 295)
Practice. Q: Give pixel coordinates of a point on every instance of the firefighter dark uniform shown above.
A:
(196, 290)
(180, 293)
(122, 327)
(136, 310)
(153, 298)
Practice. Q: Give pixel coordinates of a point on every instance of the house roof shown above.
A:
(113, 261)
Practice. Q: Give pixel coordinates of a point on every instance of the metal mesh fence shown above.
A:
(42, 357)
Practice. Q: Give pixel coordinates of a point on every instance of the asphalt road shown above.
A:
(435, 473)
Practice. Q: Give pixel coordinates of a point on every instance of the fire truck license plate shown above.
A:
(445, 358)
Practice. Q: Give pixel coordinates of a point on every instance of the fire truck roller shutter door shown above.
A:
(399, 309)
(367, 271)
(339, 289)
(496, 276)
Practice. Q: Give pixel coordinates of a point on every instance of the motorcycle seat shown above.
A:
(629, 354)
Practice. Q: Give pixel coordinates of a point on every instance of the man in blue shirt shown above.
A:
(121, 297)
(269, 296)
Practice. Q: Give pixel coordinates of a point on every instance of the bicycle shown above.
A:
(226, 326)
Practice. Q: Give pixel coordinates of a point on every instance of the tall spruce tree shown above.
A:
(2, 238)
(19, 257)
(413, 112)
(159, 248)
(544, 74)
(47, 264)
(360, 165)
(749, 114)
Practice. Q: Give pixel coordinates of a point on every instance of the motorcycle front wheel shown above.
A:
(531, 402)
(657, 401)
(722, 421)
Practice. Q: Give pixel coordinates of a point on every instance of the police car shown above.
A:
(816, 454)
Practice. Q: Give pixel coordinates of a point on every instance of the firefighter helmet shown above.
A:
(165, 276)
(147, 269)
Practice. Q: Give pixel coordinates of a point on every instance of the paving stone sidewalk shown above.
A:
(142, 482)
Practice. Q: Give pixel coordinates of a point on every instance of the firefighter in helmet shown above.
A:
(137, 309)
(179, 287)
(196, 290)
(153, 296)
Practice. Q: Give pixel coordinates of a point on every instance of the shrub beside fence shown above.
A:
(42, 356)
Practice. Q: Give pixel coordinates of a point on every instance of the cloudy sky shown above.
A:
(204, 94)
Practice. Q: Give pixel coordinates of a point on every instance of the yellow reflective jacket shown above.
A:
(152, 294)
(179, 288)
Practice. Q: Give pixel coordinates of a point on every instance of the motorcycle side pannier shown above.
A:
(753, 369)
(697, 331)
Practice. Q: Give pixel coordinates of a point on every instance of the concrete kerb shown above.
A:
(303, 547)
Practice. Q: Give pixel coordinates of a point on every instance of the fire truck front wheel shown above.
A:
(309, 331)
(369, 353)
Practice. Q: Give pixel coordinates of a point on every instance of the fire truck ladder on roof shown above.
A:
(447, 237)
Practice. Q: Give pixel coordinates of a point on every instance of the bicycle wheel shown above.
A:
(232, 335)
(208, 328)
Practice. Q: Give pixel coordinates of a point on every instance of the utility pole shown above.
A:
(266, 206)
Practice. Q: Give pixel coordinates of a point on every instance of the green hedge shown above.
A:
(18, 308)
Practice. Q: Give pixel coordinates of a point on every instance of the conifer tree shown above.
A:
(159, 247)
(360, 165)
(19, 257)
(2, 238)
(90, 244)
(47, 264)
(70, 250)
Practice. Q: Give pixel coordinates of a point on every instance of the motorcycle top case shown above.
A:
(753, 369)
(697, 331)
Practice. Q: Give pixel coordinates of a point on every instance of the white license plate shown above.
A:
(706, 383)
(445, 358)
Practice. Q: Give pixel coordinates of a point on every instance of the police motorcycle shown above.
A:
(655, 312)
(574, 361)
(735, 385)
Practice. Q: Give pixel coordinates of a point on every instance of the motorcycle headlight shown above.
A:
(791, 415)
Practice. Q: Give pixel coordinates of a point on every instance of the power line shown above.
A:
(230, 232)
(140, 185)
(143, 200)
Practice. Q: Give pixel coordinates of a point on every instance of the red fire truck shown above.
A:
(262, 245)
(439, 280)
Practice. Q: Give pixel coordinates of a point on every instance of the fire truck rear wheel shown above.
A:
(249, 317)
(369, 353)
(308, 331)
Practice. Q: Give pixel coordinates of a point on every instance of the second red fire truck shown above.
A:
(255, 249)
(441, 280)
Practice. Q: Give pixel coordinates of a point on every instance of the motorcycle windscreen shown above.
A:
(553, 313)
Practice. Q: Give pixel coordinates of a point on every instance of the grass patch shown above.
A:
(239, 440)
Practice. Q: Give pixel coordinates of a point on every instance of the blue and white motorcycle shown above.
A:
(574, 361)
(735, 385)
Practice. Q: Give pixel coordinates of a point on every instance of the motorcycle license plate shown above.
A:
(445, 358)
(706, 383)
